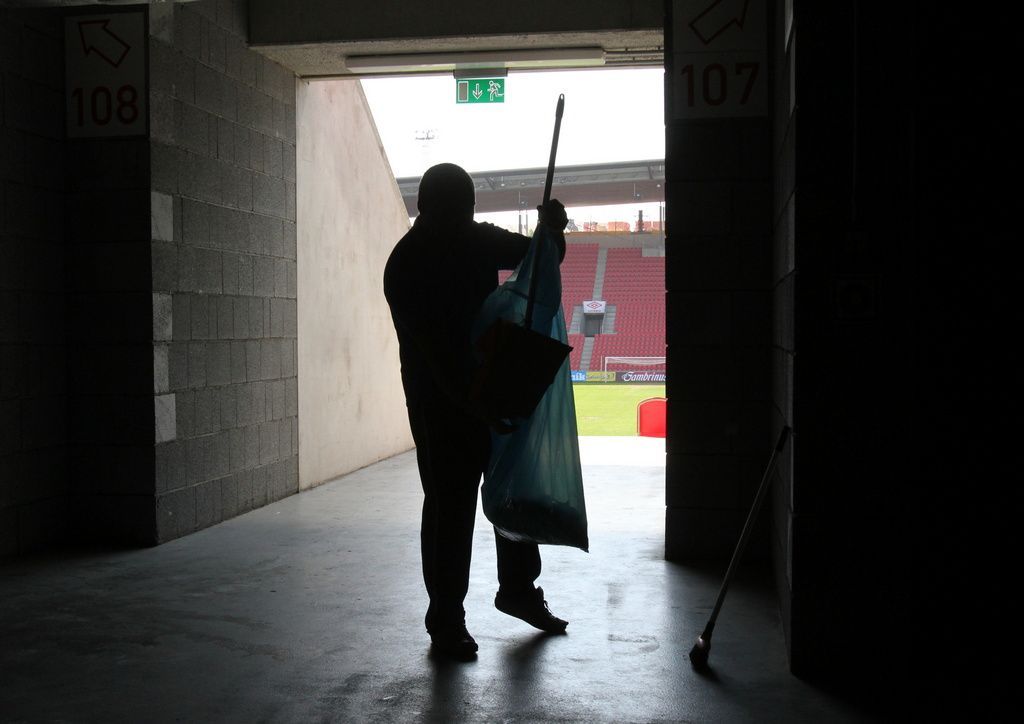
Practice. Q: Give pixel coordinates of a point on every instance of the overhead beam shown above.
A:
(584, 185)
(272, 22)
(315, 38)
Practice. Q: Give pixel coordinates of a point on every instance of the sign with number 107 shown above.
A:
(105, 64)
(718, 58)
(725, 85)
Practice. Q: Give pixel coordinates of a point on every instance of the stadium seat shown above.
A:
(650, 417)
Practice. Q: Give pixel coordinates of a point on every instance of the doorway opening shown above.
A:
(610, 176)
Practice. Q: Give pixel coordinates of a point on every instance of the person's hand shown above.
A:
(553, 214)
(482, 412)
(502, 427)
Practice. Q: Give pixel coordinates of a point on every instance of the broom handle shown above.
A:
(528, 321)
(747, 527)
(554, 147)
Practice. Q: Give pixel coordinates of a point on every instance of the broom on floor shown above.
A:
(702, 649)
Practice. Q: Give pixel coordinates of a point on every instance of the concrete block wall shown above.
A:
(110, 327)
(890, 281)
(223, 268)
(783, 280)
(719, 301)
(838, 175)
(33, 310)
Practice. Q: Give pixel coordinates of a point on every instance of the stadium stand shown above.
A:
(578, 269)
(576, 356)
(633, 284)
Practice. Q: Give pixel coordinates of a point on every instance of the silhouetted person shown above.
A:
(435, 281)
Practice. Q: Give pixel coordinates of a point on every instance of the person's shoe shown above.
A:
(532, 608)
(454, 642)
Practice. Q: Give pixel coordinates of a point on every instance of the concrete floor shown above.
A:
(311, 610)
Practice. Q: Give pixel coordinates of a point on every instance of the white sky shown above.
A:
(610, 115)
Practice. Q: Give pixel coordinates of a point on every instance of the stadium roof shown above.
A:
(589, 185)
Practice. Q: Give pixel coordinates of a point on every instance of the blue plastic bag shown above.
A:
(533, 484)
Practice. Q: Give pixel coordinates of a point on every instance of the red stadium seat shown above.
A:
(650, 417)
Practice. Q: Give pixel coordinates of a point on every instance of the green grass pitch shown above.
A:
(609, 409)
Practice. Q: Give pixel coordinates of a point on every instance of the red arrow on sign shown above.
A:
(717, 17)
(98, 38)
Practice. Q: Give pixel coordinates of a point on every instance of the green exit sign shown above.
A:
(480, 90)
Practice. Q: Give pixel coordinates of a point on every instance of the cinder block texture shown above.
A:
(719, 314)
(696, 534)
(782, 287)
(120, 369)
(34, 385)
(227, 161)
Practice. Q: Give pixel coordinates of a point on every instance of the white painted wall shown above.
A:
(350, 215)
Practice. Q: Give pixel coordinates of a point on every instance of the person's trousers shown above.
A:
(452, 449)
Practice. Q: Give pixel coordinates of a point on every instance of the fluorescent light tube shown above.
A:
(441, 62)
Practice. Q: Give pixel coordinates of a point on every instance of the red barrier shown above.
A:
(650, 417)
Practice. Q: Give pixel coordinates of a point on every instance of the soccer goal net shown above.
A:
(633, 362)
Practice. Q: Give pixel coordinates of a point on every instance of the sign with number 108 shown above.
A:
(105, 63)
(100, 106)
